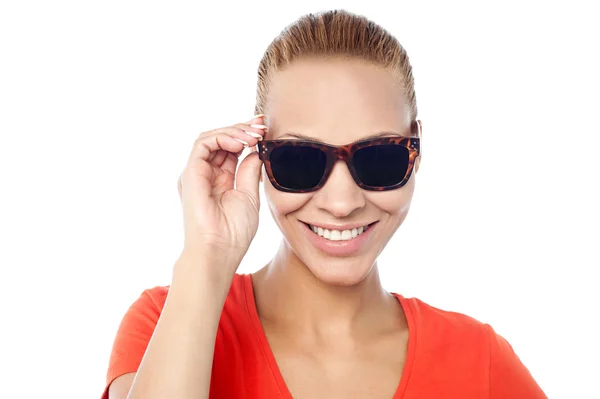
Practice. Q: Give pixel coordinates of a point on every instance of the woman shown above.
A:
(339, 140)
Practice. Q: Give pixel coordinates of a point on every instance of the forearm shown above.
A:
(178, 360)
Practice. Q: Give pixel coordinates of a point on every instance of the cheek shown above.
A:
(393, 202)
(281, 203)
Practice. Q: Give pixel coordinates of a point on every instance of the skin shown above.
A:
(333, 329)
(355, 346)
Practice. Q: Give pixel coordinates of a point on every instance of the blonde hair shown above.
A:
(336, 33)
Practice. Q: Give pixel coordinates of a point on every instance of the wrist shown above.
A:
(195, 273)
(225, 255)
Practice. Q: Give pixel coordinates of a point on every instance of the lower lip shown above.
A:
(338, 248)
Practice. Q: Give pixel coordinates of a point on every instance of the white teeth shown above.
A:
(338, 235)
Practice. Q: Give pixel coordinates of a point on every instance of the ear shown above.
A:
(420, 133)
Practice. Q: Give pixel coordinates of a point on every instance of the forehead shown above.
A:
(335, 100)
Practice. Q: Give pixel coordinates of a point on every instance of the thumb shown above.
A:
(248, 176)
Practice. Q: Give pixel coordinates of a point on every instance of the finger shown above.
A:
(257, 119)
(248, 175)
(247, 136)
(255, 130)
(237, 132)
(228, 139)
(230, 163)
(255, 149)
(204, 148)
(219, 158)
(254, 127)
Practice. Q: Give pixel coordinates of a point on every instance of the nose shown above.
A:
(340, 195)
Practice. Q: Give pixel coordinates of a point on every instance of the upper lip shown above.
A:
(340, 227)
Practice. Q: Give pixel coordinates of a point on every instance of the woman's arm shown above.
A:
(119, 388)
(178, 360)
(220, 203)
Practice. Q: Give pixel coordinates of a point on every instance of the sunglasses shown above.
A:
(380, 164)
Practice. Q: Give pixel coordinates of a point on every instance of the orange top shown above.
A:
(450, 355)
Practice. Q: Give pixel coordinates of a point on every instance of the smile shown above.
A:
(338, 235)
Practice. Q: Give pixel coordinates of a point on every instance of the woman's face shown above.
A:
(337, 102)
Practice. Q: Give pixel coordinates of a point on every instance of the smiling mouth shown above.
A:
(338, 235)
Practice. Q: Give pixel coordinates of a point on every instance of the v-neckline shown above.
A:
(284, 392)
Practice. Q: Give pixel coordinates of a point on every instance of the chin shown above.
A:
(339, 271)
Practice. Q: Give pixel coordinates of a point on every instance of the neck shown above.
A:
(289, 296)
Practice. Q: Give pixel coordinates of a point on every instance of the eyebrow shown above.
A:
(308, 138)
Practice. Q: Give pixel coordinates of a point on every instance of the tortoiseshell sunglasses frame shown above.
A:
(344, 153)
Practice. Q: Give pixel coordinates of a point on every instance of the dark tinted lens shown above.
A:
(298, 167)
(381, 165)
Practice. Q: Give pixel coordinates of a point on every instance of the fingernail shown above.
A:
(241, 141)
(256, 135)
(259, 126)
(259, 116)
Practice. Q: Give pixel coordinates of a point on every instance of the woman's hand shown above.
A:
(220, 207)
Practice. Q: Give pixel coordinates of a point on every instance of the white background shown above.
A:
(100, 103)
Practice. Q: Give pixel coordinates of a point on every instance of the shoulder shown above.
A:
(438, 324)
(153, 299)
(140, 320)
(509, 377)
(453, 340)
(144, 312)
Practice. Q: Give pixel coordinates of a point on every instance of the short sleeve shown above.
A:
(134, 333)
(509, 378)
